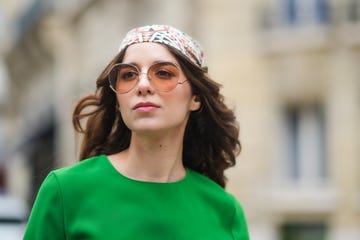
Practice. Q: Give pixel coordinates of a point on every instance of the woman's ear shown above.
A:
(195, 103)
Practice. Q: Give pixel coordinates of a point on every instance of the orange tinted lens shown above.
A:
(125, 77)
(164, 76)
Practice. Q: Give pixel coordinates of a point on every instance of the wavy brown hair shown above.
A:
(211, 136)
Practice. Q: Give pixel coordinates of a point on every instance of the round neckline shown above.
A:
(128, 179)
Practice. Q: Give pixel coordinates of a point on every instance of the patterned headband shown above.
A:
(169, 36)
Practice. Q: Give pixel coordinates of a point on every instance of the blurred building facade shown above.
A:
(289, 68)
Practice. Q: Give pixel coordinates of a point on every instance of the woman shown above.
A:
(157, 140)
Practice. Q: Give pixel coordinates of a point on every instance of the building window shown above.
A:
(323, 11)
(303, 231)
(2, 178)
(353, 11)
(296, 13)
(291, 13)
(306, 11)
(305, 143)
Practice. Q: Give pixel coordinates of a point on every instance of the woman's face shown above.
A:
(145, 109)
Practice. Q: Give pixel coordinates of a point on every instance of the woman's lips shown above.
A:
(145, 107)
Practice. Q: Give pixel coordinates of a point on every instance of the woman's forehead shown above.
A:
(148, 52)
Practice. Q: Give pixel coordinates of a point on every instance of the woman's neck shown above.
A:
(152, 158)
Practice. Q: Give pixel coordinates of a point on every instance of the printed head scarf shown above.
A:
(169, 36)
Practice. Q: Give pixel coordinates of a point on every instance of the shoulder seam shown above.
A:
(209, 180)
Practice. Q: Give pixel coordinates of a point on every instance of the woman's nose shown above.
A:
(144, 85)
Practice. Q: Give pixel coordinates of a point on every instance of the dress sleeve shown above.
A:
(46, 220)
(239, 225)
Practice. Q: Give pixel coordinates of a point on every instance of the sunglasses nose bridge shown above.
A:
(143, 74)
(143, 79)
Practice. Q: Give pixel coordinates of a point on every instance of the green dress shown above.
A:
(92, 200)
